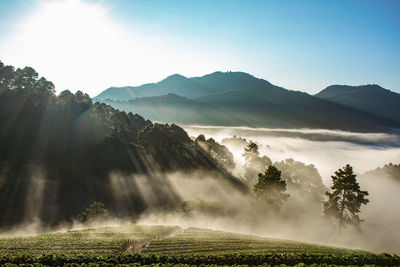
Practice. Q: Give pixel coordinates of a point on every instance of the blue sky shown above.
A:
(300, 45)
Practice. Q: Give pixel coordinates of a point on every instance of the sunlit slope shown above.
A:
(60, 153)
(102, 240)
(156, 240)
(204, 241)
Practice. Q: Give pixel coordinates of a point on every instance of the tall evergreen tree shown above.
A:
(345, 199)
(270, 190)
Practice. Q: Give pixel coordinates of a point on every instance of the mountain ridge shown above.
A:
(252, 101)
(370, 98)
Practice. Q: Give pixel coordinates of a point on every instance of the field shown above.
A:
(103, 240)
(206, 242)
(145, 245)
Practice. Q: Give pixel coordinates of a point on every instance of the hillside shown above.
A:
(60, 153)
(174, 84)
(174, 108)
(136, 245)
(240, 99)
(368, 98)
(158, 239)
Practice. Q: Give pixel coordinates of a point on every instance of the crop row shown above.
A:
(206, 241)
(196, 259)
(171, 244)
(95, 240)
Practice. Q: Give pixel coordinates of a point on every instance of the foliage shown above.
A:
(391, 170)
(75, 145)
(210, 242)
(98, 240)
(268, 259)
(157, 136)
(254, 163)
(270, 190)
(235, 141)
(219, 152)
(102, 247)
(95, 211)
(302, 178)
(344, 201)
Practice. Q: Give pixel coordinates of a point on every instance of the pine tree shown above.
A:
(345, 199)
(270, 189)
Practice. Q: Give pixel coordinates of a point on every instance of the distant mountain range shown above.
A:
(369, 98)
(240, 99)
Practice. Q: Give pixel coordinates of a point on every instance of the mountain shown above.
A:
(174, 84)
(239, 99)
(192, 87)
(369, 98)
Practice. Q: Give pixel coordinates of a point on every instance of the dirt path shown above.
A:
(137, 246)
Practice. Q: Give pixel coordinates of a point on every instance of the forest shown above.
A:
(61, 149)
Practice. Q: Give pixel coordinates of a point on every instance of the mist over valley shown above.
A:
(199, 133)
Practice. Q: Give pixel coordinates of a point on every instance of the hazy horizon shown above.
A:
(301, 46)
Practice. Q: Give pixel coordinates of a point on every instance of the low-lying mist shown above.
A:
(327, 150)
(307, 159)
(214, 204)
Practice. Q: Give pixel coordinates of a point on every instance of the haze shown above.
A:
(285, 125)
(326, 149)
(298, 45)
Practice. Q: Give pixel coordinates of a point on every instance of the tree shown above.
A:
(346, 198)
(219, 152)
(302, 178)
(270, 190)
(27, 85)
(96, 210)
(254, 163)
(6, 76)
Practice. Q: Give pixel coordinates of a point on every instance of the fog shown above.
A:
(328, 150)
(216, 205)
(213, 203)
(209, 200)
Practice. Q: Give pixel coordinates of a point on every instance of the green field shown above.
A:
(102, 240)
(206, 242)
(167, 245)
(154, 239)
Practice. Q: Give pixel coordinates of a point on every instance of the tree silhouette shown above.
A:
(254, 163)
(219, 152)
(270, 189)
(346, 198)
(95, 211)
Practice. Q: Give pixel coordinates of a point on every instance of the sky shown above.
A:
(304, 45)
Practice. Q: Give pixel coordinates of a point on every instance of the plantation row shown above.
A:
(179, 246)
(103, 240)
(195, 240)
(196, 259)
